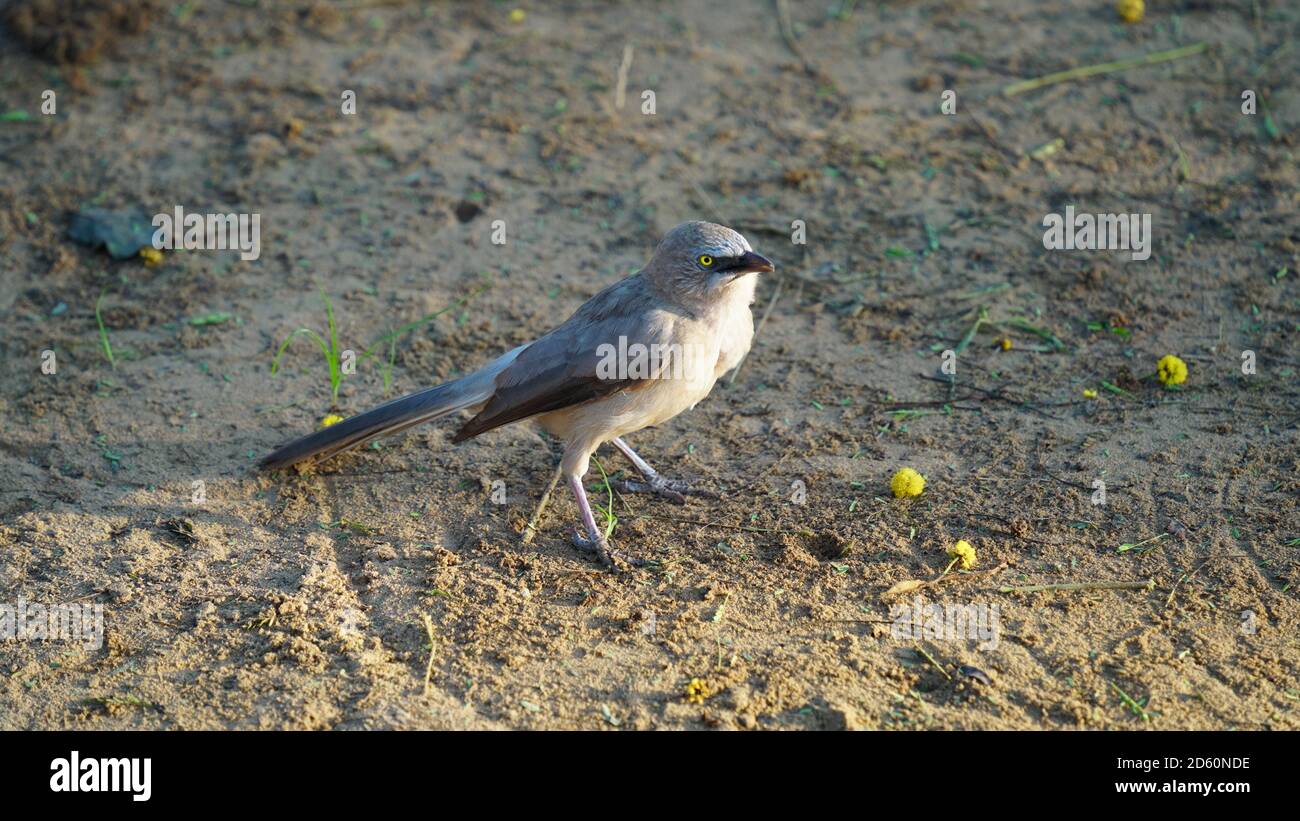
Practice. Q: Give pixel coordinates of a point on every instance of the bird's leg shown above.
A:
(595, 541)
(674, 489)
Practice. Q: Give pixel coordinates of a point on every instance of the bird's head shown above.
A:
(699, 260)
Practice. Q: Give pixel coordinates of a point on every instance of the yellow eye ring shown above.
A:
(706, 260)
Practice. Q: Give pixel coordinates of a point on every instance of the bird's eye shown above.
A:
(706, 260)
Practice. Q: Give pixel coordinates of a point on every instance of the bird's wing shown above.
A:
(570, 365)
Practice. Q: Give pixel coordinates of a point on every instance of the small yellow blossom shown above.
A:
(1171, 370)
(963, 553)
(517, 16)
(1131, 11)
(1089, 393)
(1005, 343)
(907, 482)
(331, 419)
(151, 255)
(697, 690)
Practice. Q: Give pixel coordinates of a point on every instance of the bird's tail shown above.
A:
(391, 417)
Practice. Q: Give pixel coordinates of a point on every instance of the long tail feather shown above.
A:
(386, 419)
(392, 417)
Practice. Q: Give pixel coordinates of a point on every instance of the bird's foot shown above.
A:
(675, 490)
(609, 556)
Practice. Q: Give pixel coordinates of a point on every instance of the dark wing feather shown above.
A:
(561, 369)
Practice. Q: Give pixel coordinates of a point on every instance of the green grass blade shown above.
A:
(608, 511)
(315, 337)
(411, 326)
(103, 335)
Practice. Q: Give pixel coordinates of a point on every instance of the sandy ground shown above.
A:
(299, 601)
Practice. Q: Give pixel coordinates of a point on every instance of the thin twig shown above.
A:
(1149, 584)
(787, 33)
(530, 529)
(1198, 569)
(930, 659)
(1103, 68)
(707, 200)
(980, 320)
(428, 670)
(992, 137)
(620, 92)
(1000, 394)
(912, 585)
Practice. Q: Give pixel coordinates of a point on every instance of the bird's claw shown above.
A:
(675, 490)
(609, 556)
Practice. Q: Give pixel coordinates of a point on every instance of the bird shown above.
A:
(635, 355)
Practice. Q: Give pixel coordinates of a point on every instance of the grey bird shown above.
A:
(635, 355)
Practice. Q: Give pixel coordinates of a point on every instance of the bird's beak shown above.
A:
(752, 263)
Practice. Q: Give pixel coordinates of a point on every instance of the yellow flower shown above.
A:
(697, 690)
(907, 482)
(1005, 343)
(1130, 11)
(1089, 393)
(1171, 370)
(331, 419)
(517, 16)
(151, 255)
(964, 553)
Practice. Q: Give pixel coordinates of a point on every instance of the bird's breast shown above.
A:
(735, 323)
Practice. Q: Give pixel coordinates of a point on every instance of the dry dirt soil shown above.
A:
(388, 589)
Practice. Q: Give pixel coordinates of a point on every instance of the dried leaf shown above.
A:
(905, 587)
